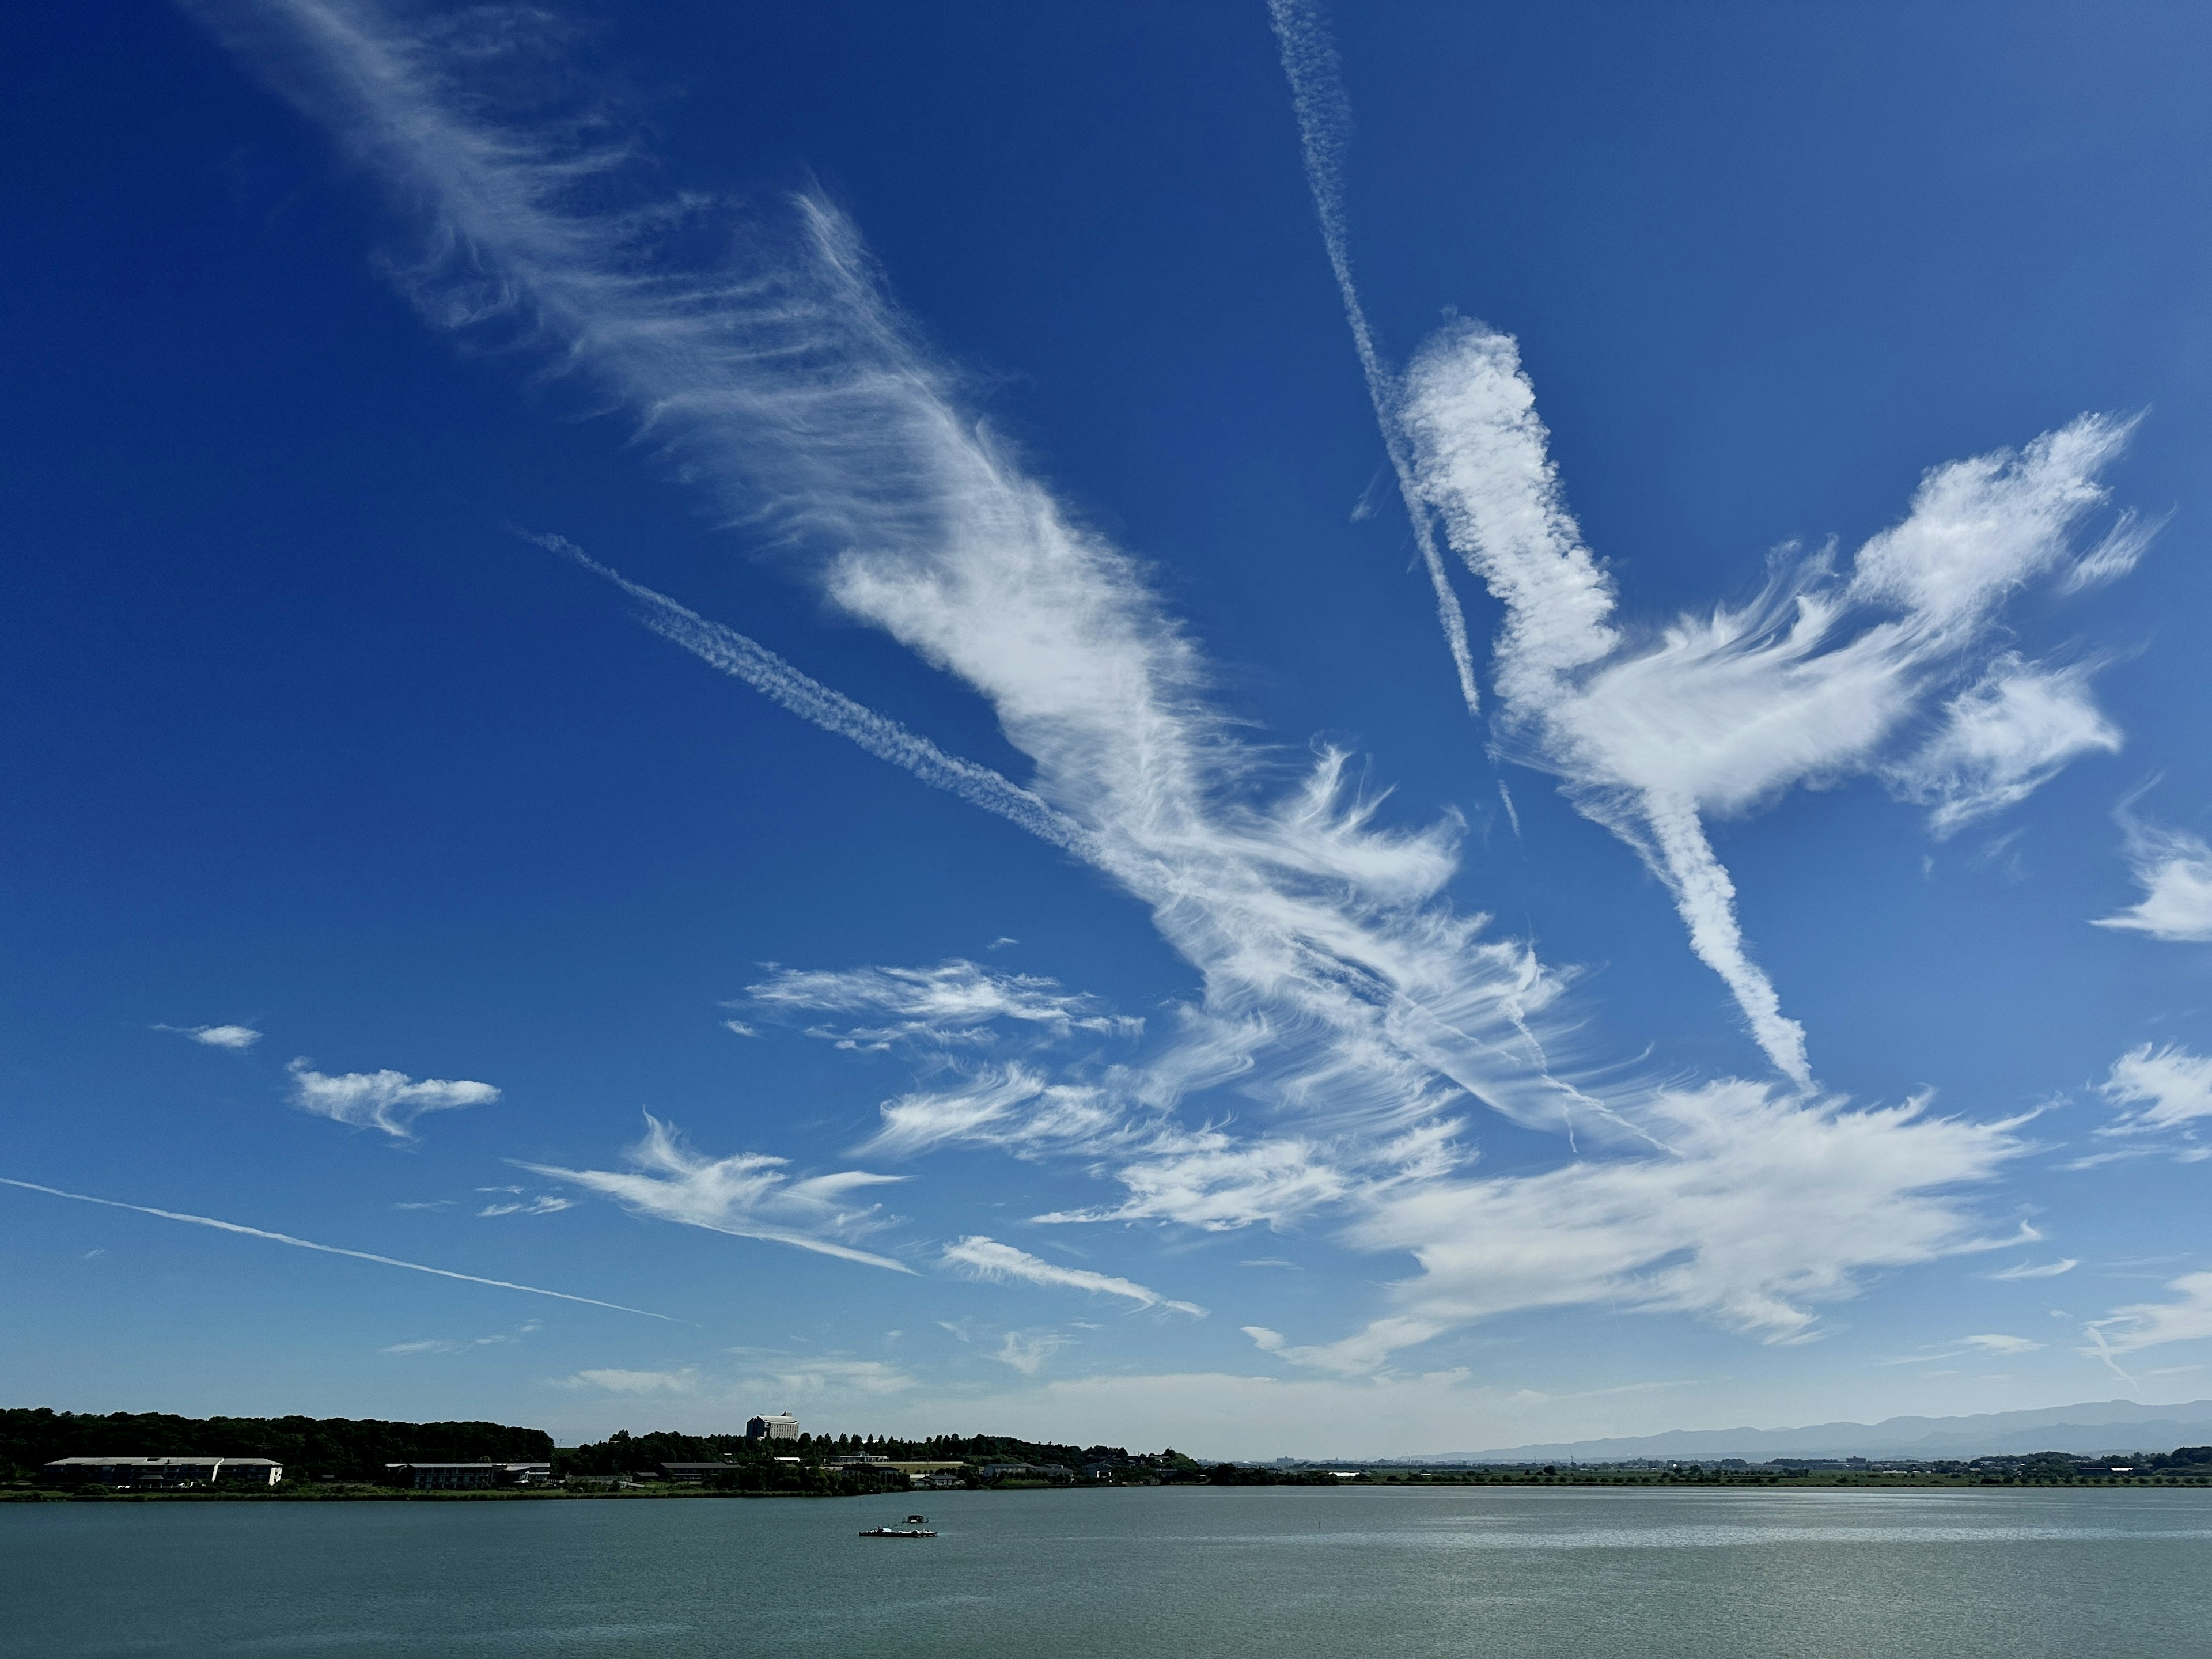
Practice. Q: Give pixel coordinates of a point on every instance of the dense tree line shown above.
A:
(309, 1448)
(623, 1453)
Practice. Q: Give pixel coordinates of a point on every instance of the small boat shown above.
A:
(917, 1526)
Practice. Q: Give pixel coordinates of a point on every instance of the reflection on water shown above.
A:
(1510, 1574)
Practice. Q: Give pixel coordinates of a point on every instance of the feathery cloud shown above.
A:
(1719, 713)
(784, 1376)
(1341, 992)
(387, 1100)
(2038, 1270)
(988, 1260)
(956, 1002)
(747, 1195)
(612, 1380)
(2171, 1090)
(2150, 1324)
(2002, 738)
(2174, 869)
(1761, 1210)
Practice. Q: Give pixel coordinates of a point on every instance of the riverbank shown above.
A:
(1856, 1480)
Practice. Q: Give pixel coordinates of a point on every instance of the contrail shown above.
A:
(327, 1249)
(749, 660)
(1310, 65)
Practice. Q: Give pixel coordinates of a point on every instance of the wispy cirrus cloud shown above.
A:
(746, 1195)
(986, 1258)
(954, 1003)
(2185, 1318)
(614, 1380)
(543, 1204)
(236, 1038)
(2165, 1096)
(1341, 993)
(2174, 869)
(789, 387)
(387, 1100)
(787, 1376)
(461, 1344)
(1653, 730)
(2037, 1269)
(1761, 1211)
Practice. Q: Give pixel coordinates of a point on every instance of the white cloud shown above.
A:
(1027, 1351)
(2000, 1344)
(2174, 870)
(2122, 547)
(237, 1038)
(1013, 1106)
(390, 1101)
(1206, 1179)
(2002, 740)
(544, 1203)
(614, 1380)
(956, 1002)
(747, 1195)
(1719, 711)
(2150, 1324)
(460, 1344)
(2170, 1089)
(786, 1377)
(988, 1260)
(1761, 1210)
(2039, 1270)
(1341, 992)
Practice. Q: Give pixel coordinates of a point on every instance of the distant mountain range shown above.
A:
(2109, 1426)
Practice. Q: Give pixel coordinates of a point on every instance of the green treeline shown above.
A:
(309, 1448)
(622, 1452)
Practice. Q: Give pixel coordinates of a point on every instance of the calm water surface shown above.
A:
(1704, 1575)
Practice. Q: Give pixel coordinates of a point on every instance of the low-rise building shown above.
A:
(466, 1477)
(167, 1473)
(782, 1426)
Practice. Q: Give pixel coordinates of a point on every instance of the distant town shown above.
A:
(46, 1454)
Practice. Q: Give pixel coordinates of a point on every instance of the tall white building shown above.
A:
(782, 1426)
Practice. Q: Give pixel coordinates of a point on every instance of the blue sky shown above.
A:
(778, 688)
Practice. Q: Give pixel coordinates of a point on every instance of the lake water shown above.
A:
(1501, 1574)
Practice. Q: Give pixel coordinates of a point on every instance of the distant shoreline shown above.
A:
(1624, 1480)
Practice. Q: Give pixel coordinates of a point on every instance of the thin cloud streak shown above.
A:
(326, 1250)
(987, 1259)
(1324, 114)
(747, 660)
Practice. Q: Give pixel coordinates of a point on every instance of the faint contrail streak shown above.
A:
(327, 1249)
(749, 660)
(1309, 63)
